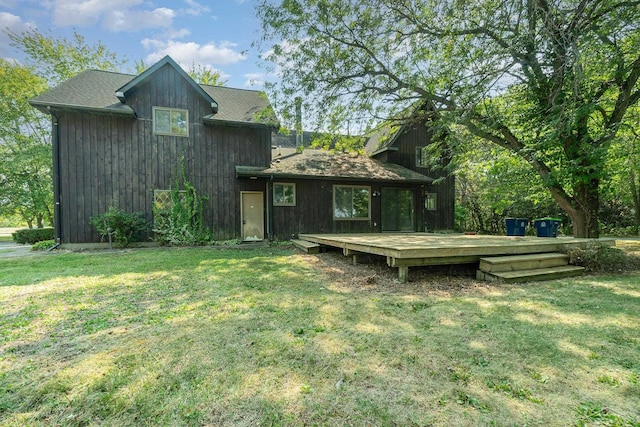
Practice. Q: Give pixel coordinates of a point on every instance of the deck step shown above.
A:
(536, 274)
(523, 262)
(305, 245)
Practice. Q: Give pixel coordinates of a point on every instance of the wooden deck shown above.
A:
(404, 250)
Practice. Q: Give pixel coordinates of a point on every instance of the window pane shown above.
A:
(430, 201)
(351, 202)
(422, 156)
(277, 194)
(342, 202)
(361, 203)
(162, 200)
(179, 122)
(162, 121)
(284, 194)
(288, 196)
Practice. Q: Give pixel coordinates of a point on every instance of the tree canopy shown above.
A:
(551, 81)
(26, 187)
(25, 176)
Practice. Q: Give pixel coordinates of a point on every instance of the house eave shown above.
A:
(212, 121)
(383, 150)
(119, 110)
(254, 172)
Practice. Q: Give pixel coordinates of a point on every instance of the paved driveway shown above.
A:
(11, 249)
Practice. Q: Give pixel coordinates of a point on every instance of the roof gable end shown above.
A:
(125, 90)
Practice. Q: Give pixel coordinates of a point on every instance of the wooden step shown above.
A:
(537, 274)
(308, 247)
(523, 262)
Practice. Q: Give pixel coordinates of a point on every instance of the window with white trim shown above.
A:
(170, 121)
(351, 202)
(284, 194)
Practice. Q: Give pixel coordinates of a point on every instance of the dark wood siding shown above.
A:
(109, 160)
(313, 212)
(420, 136)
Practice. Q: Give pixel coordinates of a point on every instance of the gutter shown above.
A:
(47, 108)
(55, 148)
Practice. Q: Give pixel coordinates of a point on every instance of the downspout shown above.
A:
(55, 148)
(270, 209)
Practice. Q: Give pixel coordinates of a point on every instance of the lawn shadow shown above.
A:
(265, 337)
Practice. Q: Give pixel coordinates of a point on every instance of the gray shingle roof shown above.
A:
(324, 164)
(95, 90)
(90, 90)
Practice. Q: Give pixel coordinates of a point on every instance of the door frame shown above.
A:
(414, 224)
(242, 221)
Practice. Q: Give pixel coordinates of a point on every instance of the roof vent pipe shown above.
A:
(299, 141)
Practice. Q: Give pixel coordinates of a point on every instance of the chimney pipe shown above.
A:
(299, 141)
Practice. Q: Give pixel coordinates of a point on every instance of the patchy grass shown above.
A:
(272, 337)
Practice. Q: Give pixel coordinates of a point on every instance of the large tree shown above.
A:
(25, 171)
(25, 174)
(549, 80)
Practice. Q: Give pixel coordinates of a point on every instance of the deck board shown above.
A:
(405, 250)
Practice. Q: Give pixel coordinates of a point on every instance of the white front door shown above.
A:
(252, 212)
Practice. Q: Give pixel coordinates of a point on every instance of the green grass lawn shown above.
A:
(272, 337)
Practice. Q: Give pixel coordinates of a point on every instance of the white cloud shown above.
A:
(255, 80)
(194, 8)
(114, 15)
(134, 20)
(13, 24)
(188, 53)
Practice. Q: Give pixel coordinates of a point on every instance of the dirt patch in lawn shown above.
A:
(373, 274)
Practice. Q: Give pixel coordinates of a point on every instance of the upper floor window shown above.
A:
(430, 201)
(351, 202)
(284, 194)
(170, 121)
(422, 157)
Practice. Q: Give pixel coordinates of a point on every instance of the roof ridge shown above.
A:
(231, 88)
(199, 84)
(108, 72)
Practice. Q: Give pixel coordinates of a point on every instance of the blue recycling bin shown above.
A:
(516, 226)
(547, 227)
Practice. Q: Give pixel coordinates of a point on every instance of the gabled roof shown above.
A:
(95, 91)
(125, 90)
(91, 90)
(383, 139)
(315, 164)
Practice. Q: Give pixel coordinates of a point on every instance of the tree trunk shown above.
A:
(636, 199)
(583, 208)
(586, 201)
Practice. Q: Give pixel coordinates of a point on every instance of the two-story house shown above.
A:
(118, 140)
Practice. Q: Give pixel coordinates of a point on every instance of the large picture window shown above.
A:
(351, 202)
(284, 194)
(170, 121)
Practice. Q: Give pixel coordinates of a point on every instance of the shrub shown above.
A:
(43, 245)
(32, 235)
(121, 227)
(599, 257)
(181, 222)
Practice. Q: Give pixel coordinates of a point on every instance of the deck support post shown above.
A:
(354, 259)
(403, 273)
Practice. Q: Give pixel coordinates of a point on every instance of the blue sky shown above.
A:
(214, 33)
